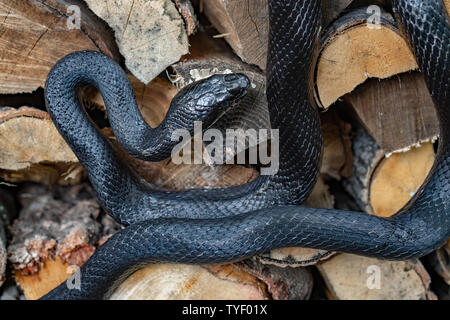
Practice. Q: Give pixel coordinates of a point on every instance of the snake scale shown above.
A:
(206, 226)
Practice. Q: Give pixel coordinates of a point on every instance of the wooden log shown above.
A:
(36, 33)
(351, 277)
(151, 35)
(56, 232)
(397, 112)
(352, 52)
(183, 282)
(25, 151)
(382, 185)
(244, 25)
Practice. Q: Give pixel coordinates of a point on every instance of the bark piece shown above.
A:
(398, 112)
(150, 33)
(352, 277)
(353, 51)
(35, 34)
(25, 151)
(55, 229)
(187, 12)
(182, 282)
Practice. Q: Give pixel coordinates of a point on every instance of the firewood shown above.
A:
(382, 185)
(56, 232)
(180, 282)
(37, 33)
(352, 52)
(151, 35)
(397, 112)
(27, 155)
(350, 277)
(244, 25)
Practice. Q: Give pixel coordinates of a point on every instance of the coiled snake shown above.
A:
(227, 224)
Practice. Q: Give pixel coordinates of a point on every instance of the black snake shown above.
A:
(205, 226)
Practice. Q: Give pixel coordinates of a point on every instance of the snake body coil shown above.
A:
(227, 224)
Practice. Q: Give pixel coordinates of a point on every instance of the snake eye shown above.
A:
(237, 84)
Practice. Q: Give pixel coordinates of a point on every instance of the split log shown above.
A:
(351, 277)
(352, 52)
(397, 112)
(151, 35)
(382, 185)
(183, 282)
(27, 155)
(244, 25)
(37, 33)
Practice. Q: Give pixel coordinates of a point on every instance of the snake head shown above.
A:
(204, 98)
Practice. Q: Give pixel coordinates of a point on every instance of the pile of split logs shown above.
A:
(379, 129)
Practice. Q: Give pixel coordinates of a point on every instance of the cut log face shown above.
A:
(398, 177)
(353, 52)
(350, 277)
(150, 34)
(26, 155)
(180, 282)
(382, 185)
(35, 34)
